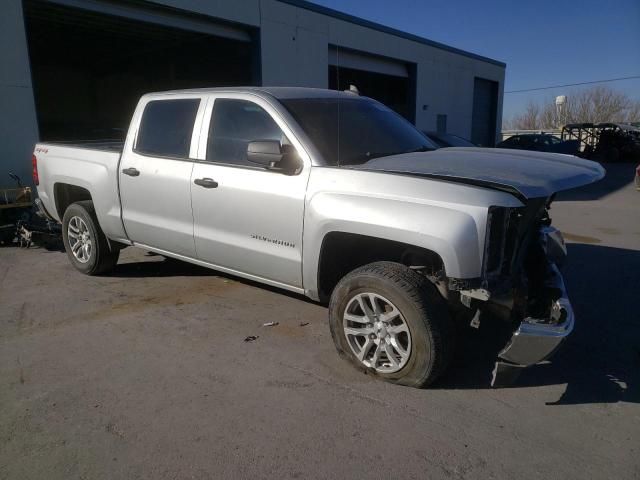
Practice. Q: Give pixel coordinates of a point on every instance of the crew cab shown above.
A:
(336, 197)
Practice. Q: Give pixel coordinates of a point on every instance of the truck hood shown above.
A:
(523, 173)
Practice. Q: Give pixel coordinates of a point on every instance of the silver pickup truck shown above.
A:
(336, 197)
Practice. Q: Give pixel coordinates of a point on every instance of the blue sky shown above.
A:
(542, 42)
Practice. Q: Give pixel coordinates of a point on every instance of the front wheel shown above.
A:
(86, 245)
(388, 320)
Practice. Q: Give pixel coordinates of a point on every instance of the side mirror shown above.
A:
(272, 156)
(264, 152)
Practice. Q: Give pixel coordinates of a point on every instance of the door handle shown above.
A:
(206, 182)
(132, 172)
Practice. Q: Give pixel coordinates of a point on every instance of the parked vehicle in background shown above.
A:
(540, 142)
(336, 197)
(605, 142)
(638, 177)
(445, 140)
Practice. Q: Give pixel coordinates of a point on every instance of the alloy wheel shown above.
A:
(377, 332)
(80, 241)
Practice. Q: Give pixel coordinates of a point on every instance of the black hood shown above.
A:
(526, 174)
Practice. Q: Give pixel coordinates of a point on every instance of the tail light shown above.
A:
(34, 164)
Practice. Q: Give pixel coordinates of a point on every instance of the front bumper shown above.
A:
(535, 339)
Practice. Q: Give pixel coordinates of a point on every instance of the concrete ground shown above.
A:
(145, 374)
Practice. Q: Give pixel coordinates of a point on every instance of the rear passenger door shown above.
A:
(247, 219)
(155, 174)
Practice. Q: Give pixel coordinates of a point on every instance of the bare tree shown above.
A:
(549, 117)
(633, 114)
(597, 104)
(528, 120)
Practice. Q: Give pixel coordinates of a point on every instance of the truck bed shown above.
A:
(89, 165)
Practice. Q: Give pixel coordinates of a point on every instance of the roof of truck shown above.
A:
(277, 92)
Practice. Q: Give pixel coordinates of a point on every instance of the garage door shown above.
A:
(485, 105)
(389, 81)
(90, 65)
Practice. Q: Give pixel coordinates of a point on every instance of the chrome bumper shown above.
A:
(536, 339)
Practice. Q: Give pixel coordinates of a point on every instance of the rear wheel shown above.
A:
(85, 243)
(388, 320)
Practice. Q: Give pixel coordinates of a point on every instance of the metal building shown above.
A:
(73, 69)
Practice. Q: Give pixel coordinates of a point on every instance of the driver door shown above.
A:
(247, 218)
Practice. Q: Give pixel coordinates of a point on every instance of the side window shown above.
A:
(235, 123)
(527, 141)
(166, 127)
(512, 141)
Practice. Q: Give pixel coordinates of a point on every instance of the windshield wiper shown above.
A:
(423, 148)
(373, 155)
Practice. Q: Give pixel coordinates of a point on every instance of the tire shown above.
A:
(428, 344)
(98, 258)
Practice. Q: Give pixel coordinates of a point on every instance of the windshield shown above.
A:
(352, 131)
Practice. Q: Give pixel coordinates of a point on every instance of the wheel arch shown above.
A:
(65, 194)
(341, 252)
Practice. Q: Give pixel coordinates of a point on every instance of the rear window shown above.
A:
(166, 127)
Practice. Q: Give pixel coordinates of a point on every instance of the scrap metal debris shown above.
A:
(251, 338)
(475, 321)
(24, 237)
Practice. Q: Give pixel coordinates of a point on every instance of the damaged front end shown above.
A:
(536, 338)
(523, 253)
